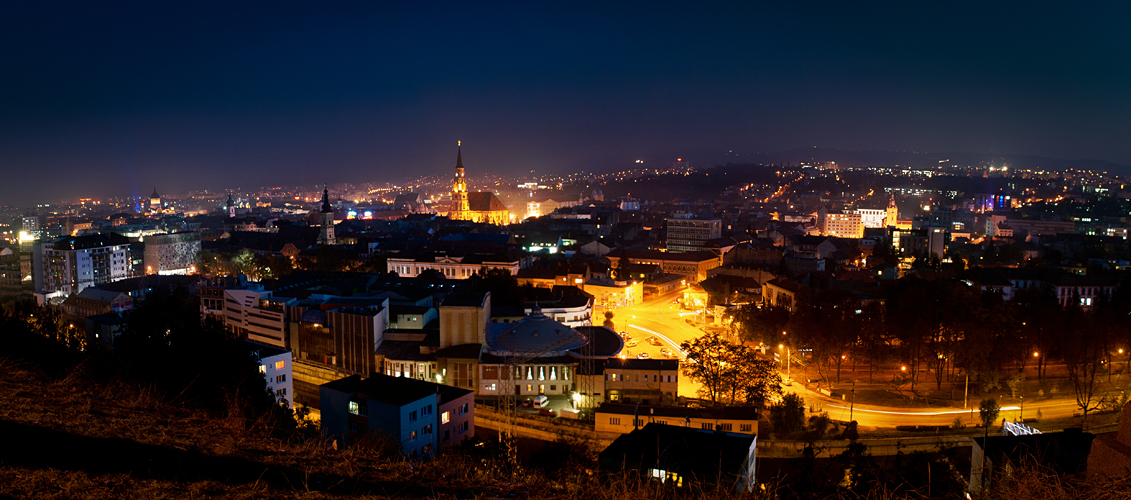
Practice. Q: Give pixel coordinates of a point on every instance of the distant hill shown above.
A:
(928, 159)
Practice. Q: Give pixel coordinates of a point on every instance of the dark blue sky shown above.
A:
(107, 98)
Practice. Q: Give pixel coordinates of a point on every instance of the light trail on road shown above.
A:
(916, 413)
(662, 336)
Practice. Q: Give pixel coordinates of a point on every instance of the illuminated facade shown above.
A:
(872, 217)
(843, 225)
(477, 206)
(692, 235)
(326, 233)
(892, 213)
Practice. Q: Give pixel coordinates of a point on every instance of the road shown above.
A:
(662, 317)
(659, 317)
(886, 416)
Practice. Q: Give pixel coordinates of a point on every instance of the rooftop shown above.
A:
(395, 391)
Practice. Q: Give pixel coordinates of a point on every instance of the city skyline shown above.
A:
(114, 99)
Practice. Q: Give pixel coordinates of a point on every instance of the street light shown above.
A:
(787, 366)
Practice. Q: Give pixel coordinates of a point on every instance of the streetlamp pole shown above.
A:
(852, 405)
(966, 396)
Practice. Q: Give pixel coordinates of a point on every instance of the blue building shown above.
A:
(422, 416)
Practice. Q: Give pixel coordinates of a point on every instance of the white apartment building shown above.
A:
(76, 262)
(872, 218)
(257, 315)
(275, 366)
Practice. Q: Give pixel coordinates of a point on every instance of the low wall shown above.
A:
(544, 428)
(876, 447)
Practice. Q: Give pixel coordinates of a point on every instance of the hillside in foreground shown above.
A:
(67, 437)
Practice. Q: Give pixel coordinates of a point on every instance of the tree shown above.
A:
(730, 373)
(193, 361)
(1084, 356)
(609, 321)
(824, 323)
(988, 412)
(788, 415)
(759, 324)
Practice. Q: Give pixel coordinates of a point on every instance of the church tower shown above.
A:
(893, 212)
(460, 203)
(327, 234)
(231, 206)
(155, 202)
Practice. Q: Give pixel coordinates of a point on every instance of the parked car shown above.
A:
(654, 341)
(541, 400)
(527, 403)
(631, 343)
(547, 412)
(667, 353)
(642, 355)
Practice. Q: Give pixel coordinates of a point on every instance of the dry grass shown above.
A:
(119, 440)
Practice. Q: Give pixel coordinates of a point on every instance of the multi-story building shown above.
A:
(872, 218)
(537, 207)
(275, 366)
(614, 294)
(781, 292)
(692, 235)
(629, 381)
(341, 336)
(92, 301)
(421, 416)
(623, 418)
(76, 262)
(452, 267)
(693, 265)
(254, 314)
(843, 225)
(172, 253)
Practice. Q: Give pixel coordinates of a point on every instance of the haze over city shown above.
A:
(113, 98)
(566, 252)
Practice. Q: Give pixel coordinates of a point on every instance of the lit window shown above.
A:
(445, 417)
(353, 407)
(279, 365)
(262, 369)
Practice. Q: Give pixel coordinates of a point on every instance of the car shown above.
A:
(540, 401)
(654, 341)
(631, 343)
(642, 355)
(666, 352)
(527, 403)
(546, 412)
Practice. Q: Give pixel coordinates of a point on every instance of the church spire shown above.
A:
(459, 155)
(326, 200)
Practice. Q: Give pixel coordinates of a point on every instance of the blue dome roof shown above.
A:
(536, 333)
(314, 316)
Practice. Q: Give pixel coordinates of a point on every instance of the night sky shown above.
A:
(106, 98)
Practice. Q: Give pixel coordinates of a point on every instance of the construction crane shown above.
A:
(508, 400)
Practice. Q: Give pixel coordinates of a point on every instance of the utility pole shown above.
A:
(966, 396)
(852, 405)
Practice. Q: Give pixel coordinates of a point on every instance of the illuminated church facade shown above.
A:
(475, 206)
